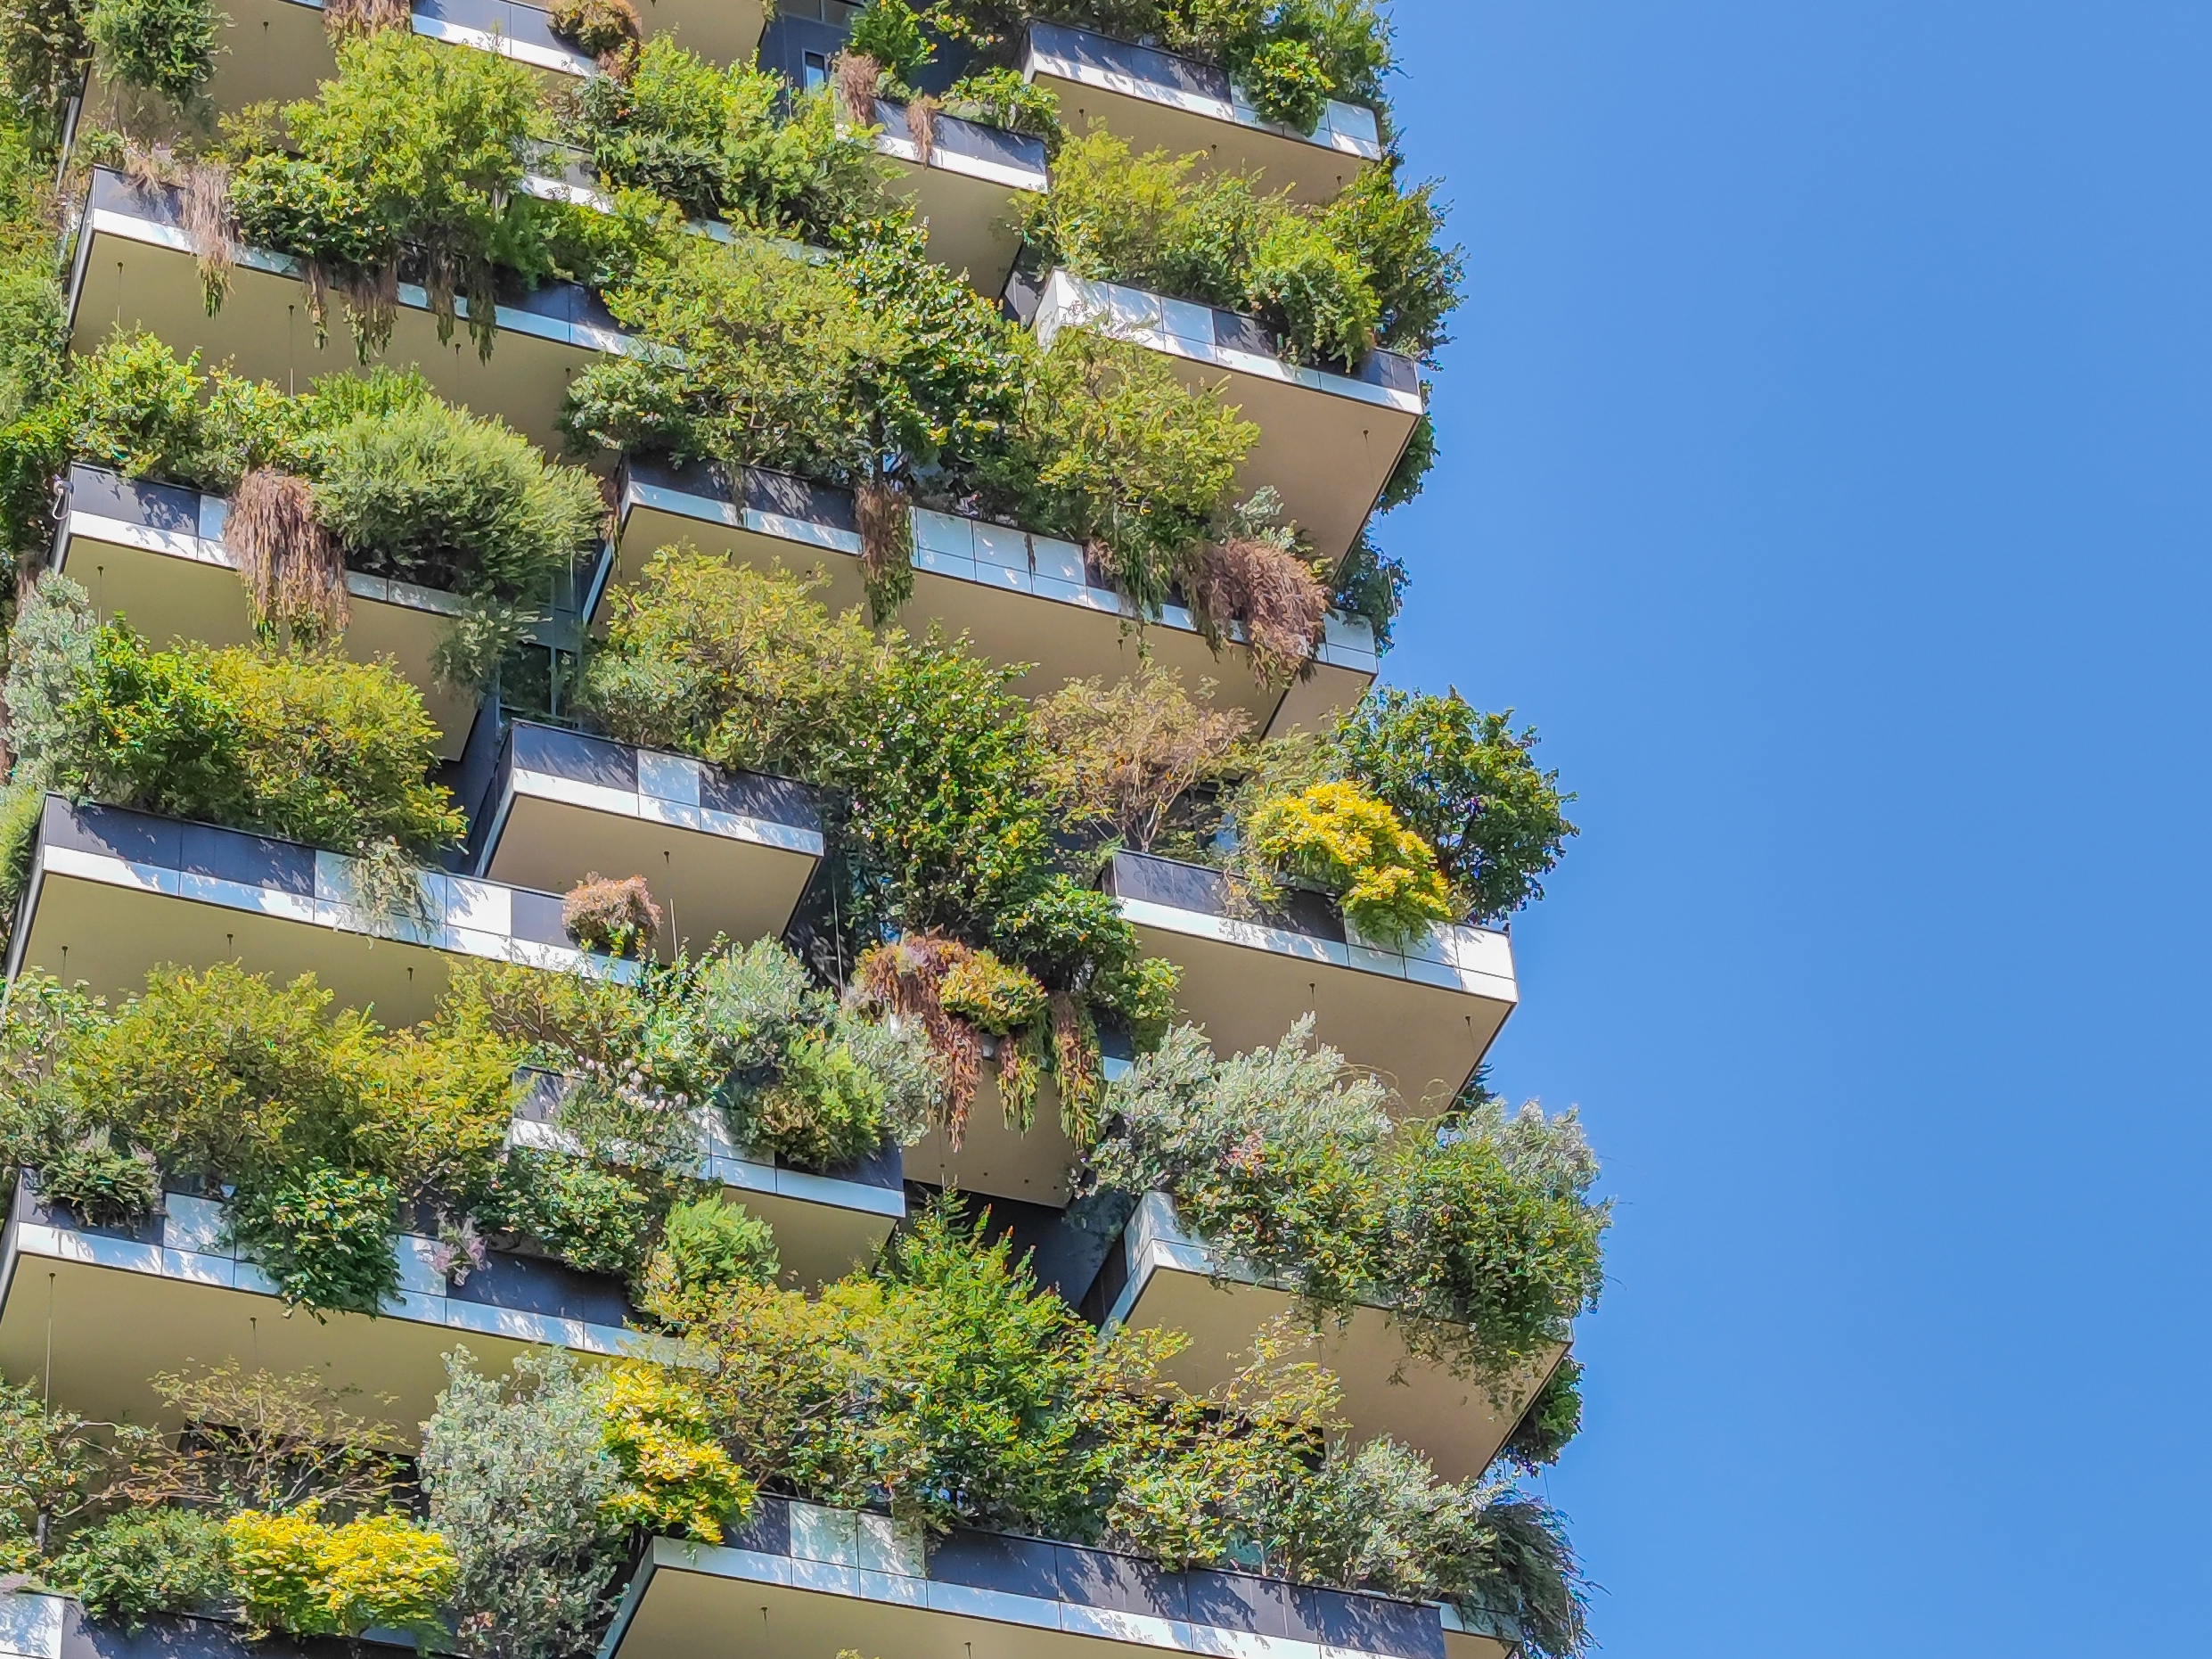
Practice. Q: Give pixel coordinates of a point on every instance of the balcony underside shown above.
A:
(551, 834)
(1157, 100)
(1177, 1283)
(996, 1161)
(172, 590)
(1248, 983)
(112, 895)
(114, 1313)
(1049, 616)
(724, 32)
(138, 272)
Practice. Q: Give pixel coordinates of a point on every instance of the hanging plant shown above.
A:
(294, 570)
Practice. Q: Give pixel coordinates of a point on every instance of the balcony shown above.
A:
(279, 49)
(1421, 1020)
(724, 852)
(154, 554)
(134, 268)
(37, 1625)
(824, 1223)
(1159, 1275)
(1328, 441)
(113, 893)
(963, 190)
(1156, 100)
(1020, 597)
(113, 1307)
(802, 1580)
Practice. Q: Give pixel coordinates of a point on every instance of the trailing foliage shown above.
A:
(413, 155)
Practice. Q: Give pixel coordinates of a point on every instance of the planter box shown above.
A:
(802, 1580)
(1328, 440)
(824, 1221)
(1156, 100)
(113, 1309)
(1020, 597)
(113, 893)
(1419, 1019)
(134, 268)
(724, 853)
(279, 49)
(154, 554)
(1160, 1275)
(35, 1626)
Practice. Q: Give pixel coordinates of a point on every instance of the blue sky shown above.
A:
(1825, 471)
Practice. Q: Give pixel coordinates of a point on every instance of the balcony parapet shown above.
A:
(136, 268)
(130, 1302)
(113, 892)
(1158, 100)
(156, 554)
(825, 1221)
(862, 1579)
(1159, 1274)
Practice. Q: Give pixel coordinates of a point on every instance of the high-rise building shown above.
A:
(717, 947)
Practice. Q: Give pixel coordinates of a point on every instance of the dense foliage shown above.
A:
(1475, 1231)
(1330, 282)
(316, 748)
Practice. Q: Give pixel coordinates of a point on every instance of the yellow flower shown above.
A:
(1339, 835)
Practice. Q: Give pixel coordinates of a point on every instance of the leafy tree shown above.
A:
(55, 1469)
(164, 45)
(1468, 784)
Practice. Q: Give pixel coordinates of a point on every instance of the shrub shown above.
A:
(597, 1220)
(1468, 784)
(890, 32)
(707, 1245)
(1122, 752)
(1372, 584)
(741, 667)
(824, 1110)
(999, 97)
(323, 1236)
(1553, 1417)
(162, 1560)
(1286, 83)
(162, 45)
(432, 494)
(430, 143)
(253, 1440)
(1110, 449)
(1396, 235)
(1477, 1233)
(1354, 845)
(296, 1575)
(520, 1483)
(102, 1184)
(619, 917)
(712, 140)
(676, 1477)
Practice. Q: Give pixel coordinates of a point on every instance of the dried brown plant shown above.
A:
(887, 545)
(1269, 592)
(907, 979)
(856, 76)
(293, 569)
(619, 917)
(344, 18)
(204, 192)
(921, 125)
